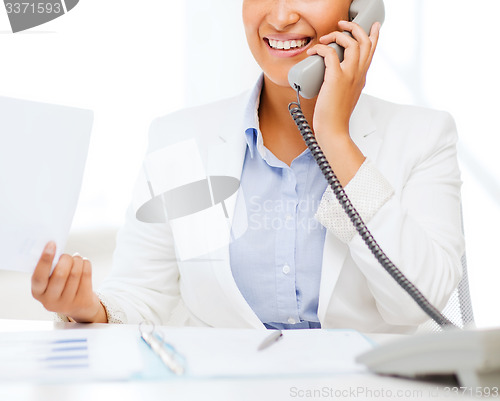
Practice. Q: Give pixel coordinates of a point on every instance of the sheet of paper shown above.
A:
(118, 353)
(233, 352)
(43, 149)
(70, 355)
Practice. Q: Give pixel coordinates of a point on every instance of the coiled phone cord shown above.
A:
(305, 130)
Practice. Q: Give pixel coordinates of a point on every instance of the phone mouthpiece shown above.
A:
(308, 74)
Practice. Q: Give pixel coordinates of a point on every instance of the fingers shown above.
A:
(68, 288)
(40, 277)
(85, 287)
(58, 278)
(374, 36)
(359, 47)
(343, 81)
(332, 61)
(359, 42)
(73, 280)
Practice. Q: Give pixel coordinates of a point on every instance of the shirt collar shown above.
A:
(253, 136)
(251, 119)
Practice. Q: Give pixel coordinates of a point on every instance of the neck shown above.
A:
(274, 99)
(279, 131)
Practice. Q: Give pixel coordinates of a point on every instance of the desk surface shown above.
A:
(348, 386)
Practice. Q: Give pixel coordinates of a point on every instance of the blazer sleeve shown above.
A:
(415, 219)
(144, 281)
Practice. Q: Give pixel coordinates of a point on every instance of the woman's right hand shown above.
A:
(68, 290)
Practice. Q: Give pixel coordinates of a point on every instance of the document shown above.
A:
(70, 355)
(118, 353)
(209, 353)
(43, 149)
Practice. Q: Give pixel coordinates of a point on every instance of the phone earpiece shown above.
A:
(366, 12)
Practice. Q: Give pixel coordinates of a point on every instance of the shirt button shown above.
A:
(291, 320)
(286, 269)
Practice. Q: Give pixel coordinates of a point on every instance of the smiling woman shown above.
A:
(297, 274)
(272, 26)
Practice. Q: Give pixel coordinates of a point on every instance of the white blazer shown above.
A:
(418, 226)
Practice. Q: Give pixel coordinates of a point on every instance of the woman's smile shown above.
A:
(287, 45)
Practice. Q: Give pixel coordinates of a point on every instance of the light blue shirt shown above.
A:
(277, 262)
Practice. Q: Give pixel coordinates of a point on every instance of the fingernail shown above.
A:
(50, 249)
(76, 254)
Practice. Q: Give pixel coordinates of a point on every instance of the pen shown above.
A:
(270, 340)
(163, 350)
(159, 349)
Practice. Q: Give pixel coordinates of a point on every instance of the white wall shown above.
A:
(122, 59)
(119, 58)
(130, 61)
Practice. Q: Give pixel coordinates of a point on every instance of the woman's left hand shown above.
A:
(344, 81)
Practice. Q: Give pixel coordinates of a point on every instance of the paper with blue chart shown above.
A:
(70, 355)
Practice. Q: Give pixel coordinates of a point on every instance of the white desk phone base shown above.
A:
(473, 356)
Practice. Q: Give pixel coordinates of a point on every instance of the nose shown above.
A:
(282, 14)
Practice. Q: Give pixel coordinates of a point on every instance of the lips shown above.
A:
(287, 46)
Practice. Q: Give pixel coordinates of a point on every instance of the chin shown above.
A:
(279, 79)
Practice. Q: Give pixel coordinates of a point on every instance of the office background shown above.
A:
(131, 61)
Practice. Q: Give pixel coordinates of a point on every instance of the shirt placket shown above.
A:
(285, 251)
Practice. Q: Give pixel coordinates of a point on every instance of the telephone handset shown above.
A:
(309, 73)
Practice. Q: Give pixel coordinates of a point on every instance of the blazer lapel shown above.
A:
(225, 159)
(334, 254)
(363, 129)
(363, 132)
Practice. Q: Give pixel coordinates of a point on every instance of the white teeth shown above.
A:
(287, 45)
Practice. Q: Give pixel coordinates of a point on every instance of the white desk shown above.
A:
(347, 387)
